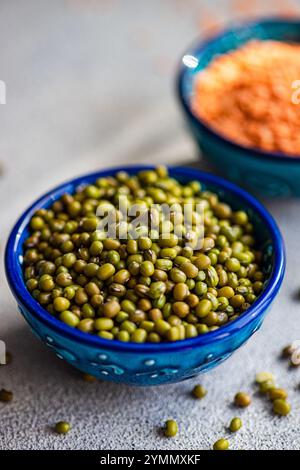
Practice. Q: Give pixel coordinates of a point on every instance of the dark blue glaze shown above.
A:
(149, 364)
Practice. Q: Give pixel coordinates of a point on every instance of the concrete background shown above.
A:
(90, 84)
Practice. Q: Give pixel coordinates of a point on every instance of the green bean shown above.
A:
(221, 444)
(69, 318)
(242, 399)
(62, 427)
(235, 424)
(171, 428)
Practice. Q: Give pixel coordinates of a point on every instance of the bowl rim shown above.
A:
(198, 47)
(24, 298)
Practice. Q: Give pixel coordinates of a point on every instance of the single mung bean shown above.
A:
(132, 247)
(37, 223)
(287, 351)
(147, 325)
(111, 244)
(257, 287)
(69, 318)
(89, 378)
(202, 261)
(96, 300)
(128, 326)
(162, 327)
(61, 304)
(221, 444)
(117, 290)
(176, 275)
(92, 289)
(181, 309)
(207, 244)
(137, 317)
(96, 248)
(110, 309)
(168, 241)
(81, 297)
(235, 424)
(171, 428)
(202, 328)
(233, 264)
(124, 336)
(153, 337)
(180, 291)
(122, 276)
(6, 395)
(47, 284)
(237, 301)
(113, 257)
(157, 289)
(105, 324)
(143, 277)
(134, 268)
(190, 331)
(163, 264)
(189, 270)
(64, 279)
(147, 268)
(144, 304)
(203, 308)
(263, 376)
(144, 243)
(106, 271)
(32, 284)
(155, 314)
(128, 306)
(200, 288)
(62, 427)
(240, 218)
(199, 391)
(105, 335)
(168, 253)
(192, 300)
(211, 319)
(267, 385)
(139, 335)
(281, 407)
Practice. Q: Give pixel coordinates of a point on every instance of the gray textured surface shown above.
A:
(88, 85)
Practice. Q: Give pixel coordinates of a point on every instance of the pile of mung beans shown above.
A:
(149, 284)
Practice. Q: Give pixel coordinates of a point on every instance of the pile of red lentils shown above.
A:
(250, 96)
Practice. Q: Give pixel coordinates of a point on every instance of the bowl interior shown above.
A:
(267, 234)
(199, 56)
(202, 53)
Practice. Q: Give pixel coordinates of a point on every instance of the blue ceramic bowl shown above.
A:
(270, 174)
(149, 364)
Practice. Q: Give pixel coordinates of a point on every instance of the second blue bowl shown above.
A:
(149, 364)
(270, 174)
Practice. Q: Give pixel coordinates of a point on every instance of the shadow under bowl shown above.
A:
(148, 363)
(268, 173)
